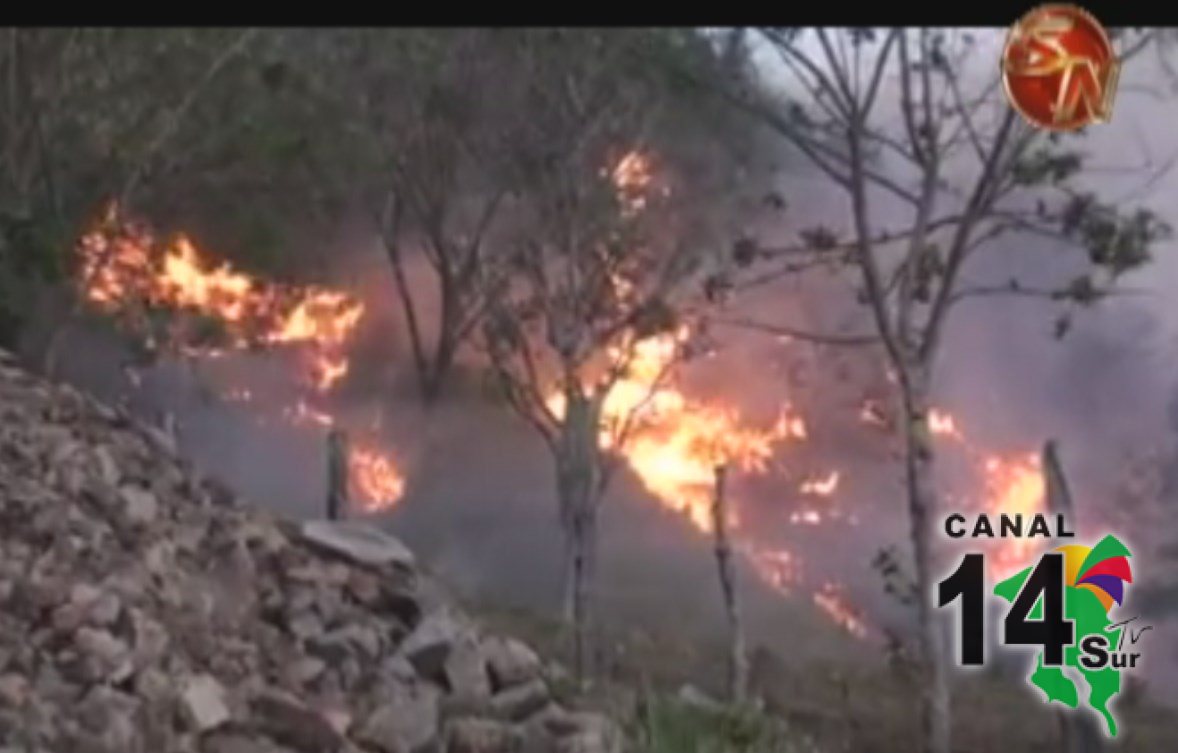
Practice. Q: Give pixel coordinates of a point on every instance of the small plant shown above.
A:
(674, 726)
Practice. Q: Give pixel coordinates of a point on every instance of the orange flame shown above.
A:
(633, 177)
(831, 600)
(377, 483)
(778, 568)
(124, 269)
(1014, 486)
(821, 487)
(675, 443)
(943, 424)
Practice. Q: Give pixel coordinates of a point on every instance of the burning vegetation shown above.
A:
(675, 442)
(179, 300)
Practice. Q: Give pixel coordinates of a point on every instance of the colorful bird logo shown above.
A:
(1102, 569)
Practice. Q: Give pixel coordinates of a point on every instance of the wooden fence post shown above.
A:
(738, 663)
(337, 474)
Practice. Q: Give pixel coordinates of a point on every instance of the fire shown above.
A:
(632, 177)
(676, 443)
(831, 600)
(778, 568)
(1014, 486)
(124, 270)
(377, 484)
(303, 414)
(943, 424)
(871, 412)
(824, 486)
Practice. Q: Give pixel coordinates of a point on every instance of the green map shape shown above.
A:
(1085, 610)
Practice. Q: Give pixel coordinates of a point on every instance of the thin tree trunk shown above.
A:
(578, 470)
(738, 666)
(922, 507)
(1078, 733)
(337, 474)
(584, 555)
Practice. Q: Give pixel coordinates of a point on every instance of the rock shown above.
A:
(521, 701)
(428, 646)
(291, 722)
(510, 662)
(236, 742)
(14, 690)
(473, 735)
(143, 609)
(139, 505)
(693, 696)
(404, 723)
(358, 542)
(465, 672)
(105, 610)
(203, 703)
(336, 645)
(306, 626)
(108, 721)
(594, 734)
(109, 654)
(306, 670)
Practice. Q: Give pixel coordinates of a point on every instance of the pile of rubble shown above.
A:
(142, 610)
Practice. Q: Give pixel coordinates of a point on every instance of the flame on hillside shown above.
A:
(944, 424)
(832, 600)
(127, 272)
(1014, 486)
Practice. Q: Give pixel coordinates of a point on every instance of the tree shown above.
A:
(95, 116)
(606, 227)
(444, 186)
(405, 126)
(962, 171)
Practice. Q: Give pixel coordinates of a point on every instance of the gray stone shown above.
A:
(521, 701)
(291, 722)
(693, 696)
(429, 645)
(474, 735)
(406, 722)
(14, 690)
(358, 542)
(510, 662)
(466, 672)
(203, 702)
(139, 505)
(235, 742)
(595, 734)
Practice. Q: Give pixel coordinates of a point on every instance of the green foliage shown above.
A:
(672, 726)
(1046, 166)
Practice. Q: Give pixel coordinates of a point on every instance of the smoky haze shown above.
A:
(480, 504)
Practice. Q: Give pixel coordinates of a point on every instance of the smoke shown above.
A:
(480, 507)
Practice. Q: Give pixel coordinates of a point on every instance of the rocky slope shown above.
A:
(144, 610)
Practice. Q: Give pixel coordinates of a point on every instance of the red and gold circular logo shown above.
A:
(1059, 68)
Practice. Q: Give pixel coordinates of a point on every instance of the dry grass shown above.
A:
(856, 703)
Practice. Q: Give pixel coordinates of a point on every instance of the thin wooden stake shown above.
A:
(337, 474)
(738, 666)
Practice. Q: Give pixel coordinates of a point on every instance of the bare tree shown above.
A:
(600, 252)
(442, 188)
(961, 170)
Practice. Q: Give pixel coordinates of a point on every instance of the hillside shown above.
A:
(144, 609)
